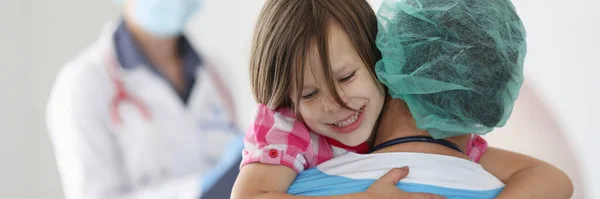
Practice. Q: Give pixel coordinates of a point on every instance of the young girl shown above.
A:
(312, 68)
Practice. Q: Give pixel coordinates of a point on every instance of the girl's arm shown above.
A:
(526, 177)
(263, 181)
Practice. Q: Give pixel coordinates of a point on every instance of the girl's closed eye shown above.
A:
(312, 94)
(309, 95)
(348, 77)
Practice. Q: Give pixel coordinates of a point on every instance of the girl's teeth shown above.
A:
(349, 121)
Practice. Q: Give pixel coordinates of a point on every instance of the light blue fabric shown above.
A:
(429, 173)
(313, 182)
(163, 18)
(230, 157)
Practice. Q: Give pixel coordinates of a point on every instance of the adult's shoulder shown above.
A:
(82, 82)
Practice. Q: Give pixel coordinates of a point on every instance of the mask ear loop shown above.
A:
(121, 94)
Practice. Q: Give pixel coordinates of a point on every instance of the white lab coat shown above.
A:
(164, 157)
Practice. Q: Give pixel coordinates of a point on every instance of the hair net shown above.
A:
(458, 64)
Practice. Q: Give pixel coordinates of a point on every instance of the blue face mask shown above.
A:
(163, 18)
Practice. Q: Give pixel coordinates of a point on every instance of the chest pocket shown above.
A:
(145, 151)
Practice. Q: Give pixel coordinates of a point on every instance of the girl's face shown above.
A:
(357, 88)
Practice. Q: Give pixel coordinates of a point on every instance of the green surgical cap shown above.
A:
(458, 64)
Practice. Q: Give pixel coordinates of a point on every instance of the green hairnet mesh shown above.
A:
(458, 64)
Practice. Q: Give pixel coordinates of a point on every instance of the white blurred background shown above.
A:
(554, 120)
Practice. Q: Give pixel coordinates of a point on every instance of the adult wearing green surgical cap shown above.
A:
(140, 114)
(451, 68)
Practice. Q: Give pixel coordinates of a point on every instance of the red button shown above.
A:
(273, 153)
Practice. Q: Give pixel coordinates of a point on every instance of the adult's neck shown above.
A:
(396, 121)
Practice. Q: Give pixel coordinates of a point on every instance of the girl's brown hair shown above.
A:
(287, 29)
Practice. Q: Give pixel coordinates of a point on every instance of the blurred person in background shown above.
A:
(140, 114)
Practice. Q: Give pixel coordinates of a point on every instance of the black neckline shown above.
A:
(416, 139)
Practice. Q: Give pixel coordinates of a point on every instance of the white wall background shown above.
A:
(37, 37)
(13, 55)
(563, 56)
